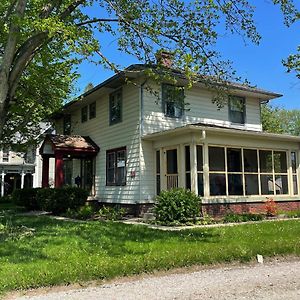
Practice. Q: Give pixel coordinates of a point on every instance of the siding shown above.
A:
(125, 133)
(200, 109)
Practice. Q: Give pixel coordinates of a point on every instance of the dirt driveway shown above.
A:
(273, 280)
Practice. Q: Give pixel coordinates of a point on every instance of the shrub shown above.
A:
(236, 218)
(58, 200)
(177, 205)
(26, 198)
(112, 213)
(83, 213)
(6, 199)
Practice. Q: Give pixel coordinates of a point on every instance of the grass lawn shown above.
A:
(49, 252)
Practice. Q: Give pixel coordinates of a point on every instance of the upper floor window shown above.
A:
(173, 100)
(92, 110)
(5, 154)
(116, 166)
(237, 109)
(115, 107)
(84, 114)
(67, 124)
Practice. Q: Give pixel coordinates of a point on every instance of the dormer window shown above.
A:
(237, 109)
(172, 100)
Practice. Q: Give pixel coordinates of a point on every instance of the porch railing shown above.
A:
(172, 181)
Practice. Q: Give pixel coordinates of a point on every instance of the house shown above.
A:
(22, 169)
(125, 145)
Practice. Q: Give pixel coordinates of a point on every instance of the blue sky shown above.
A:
(261, 64)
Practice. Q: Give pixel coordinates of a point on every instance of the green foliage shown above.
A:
(291, 214)
(236, 218)
(177, 205)
(280, 120)
(112, 213)
(83, 213)
(58, 200)
(26, 198)
(6, 199)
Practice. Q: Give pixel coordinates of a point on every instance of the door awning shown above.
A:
(75, 145)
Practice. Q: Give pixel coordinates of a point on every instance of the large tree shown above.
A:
(40, 41)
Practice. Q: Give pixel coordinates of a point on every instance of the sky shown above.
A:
(261, 65)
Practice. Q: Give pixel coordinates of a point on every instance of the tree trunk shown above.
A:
(7, 60)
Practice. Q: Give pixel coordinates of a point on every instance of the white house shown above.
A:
(125, 145)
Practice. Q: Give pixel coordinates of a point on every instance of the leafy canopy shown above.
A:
(41, 41)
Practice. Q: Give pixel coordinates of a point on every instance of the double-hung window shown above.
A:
(116, 166)
(92, 110)
(173, 100)
(84, 114)
(237, 109)
(67, 124)
(115, 107)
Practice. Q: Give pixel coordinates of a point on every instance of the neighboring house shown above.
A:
(126, 145)
(20, 170)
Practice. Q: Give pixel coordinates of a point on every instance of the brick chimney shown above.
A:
(164, 58)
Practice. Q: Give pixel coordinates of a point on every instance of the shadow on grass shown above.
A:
(113, 239)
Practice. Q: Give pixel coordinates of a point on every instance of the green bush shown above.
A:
(6, 199)
(58, 200)
(112, 213)
(83, 213)
(26, 198)
(177, 206)
(236, 218)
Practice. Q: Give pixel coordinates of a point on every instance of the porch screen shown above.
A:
(237, 171)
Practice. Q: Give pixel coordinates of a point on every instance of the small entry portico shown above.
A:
(65, 149)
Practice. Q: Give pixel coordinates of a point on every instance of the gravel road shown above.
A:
(270, 281)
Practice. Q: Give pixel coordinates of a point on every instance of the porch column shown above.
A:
(45, 174)
(181, 166)
(194, 175)
(205, 170)
(59, 172)
(2, 184)
(22, 179)
(163, 171)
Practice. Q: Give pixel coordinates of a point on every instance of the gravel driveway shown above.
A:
(275, 280)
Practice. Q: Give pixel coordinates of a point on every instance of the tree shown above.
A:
(280, 120)
(40, 34)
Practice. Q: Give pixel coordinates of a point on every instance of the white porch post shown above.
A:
(181, 166)
(194, 175)
(206, 170)
(2, 184)
(22, 179)
(163, 171)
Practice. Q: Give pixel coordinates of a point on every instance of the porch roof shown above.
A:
(203, 128)
(68, 144)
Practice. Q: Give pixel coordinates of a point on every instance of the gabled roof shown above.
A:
(68, 143)
(135, 70)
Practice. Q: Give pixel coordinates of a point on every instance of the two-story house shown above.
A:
(125, 145)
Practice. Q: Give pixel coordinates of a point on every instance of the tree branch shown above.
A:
(97, 21)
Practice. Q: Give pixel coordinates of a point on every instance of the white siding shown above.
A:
(200, 109)
(123, 134)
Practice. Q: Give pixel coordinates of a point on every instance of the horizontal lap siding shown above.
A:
(125, 133)
(199, 109)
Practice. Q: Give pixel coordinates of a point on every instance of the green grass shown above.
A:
(40, 251)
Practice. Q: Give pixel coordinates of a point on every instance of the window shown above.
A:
(237, 109)
(5, 154)
(84, 114)
(200, 170)
(67, 124)
(116, 167)
(172, 100)
(115, 107)
(237, 171)
(92, 110)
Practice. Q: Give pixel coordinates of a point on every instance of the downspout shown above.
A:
(141, 132)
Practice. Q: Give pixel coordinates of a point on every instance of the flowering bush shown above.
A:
(270, 207)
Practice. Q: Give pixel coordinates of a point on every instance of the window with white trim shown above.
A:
(237, 109)
(116, 166)
(294, 163)
(172, 100)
